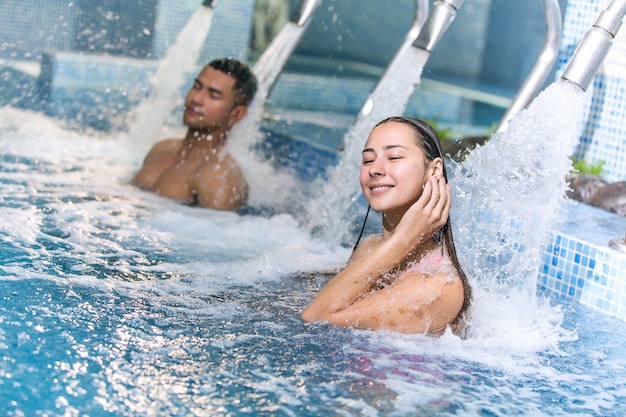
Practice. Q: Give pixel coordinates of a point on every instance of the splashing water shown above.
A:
(147, 119)
(127, 294)
(334, 209)
(268, 187)
(507, 195)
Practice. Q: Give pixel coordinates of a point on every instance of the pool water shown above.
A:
(71, 348)
(119, 302)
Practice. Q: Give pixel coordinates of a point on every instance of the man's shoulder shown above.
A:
(166, 146)
(226, 164)
(173, 143)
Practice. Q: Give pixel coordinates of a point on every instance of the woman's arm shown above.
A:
(421, 221)
(413, 303)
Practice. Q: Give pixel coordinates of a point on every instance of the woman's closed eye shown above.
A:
(368, 157)
(394, 155)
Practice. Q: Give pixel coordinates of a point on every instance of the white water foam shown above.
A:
(85, 188)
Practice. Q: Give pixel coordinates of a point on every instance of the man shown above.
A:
(196, 169)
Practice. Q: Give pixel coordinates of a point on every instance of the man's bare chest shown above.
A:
(178, 178)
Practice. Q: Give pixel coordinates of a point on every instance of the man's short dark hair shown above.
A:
(245, 80)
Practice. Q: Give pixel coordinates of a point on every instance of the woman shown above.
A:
(408, 279)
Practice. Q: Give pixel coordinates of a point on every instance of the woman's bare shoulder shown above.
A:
(368, 245)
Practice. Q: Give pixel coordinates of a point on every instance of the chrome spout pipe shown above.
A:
(595, 45)
(544, 64)
(210, 3)
(304, 11)
(442, 14)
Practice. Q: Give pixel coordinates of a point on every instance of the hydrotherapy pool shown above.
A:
(118, 302)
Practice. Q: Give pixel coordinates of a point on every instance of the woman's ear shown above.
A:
(435, 168)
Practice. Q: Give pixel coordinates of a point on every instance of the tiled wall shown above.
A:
(579, 264)
(604, 135)
(28, 27)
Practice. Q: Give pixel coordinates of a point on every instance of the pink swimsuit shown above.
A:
(434, 261)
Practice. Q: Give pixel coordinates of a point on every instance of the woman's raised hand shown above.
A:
(427, 215)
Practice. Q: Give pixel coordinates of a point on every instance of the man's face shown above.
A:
(210, 101)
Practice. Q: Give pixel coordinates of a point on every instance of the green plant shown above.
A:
(445, 133)
(583, 167)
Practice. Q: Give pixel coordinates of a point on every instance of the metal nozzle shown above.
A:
(442, 14)
(595, 45)
(304, 11)
(210, 3)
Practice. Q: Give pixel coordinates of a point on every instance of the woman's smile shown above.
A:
(379, 188)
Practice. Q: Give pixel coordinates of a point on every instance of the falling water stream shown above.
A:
(267, 185)
(168, 81)
(508, 195)
(246, 133)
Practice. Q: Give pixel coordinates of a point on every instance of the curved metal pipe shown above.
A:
(210, 3)
(421, 14)
(440, 17)
(304, 11)
(540, 71)
(595, 45)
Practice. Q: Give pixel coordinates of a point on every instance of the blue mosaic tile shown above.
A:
(604, 128)
(589, 272)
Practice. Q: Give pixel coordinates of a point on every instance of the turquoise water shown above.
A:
(244, 352)
(118, 302)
